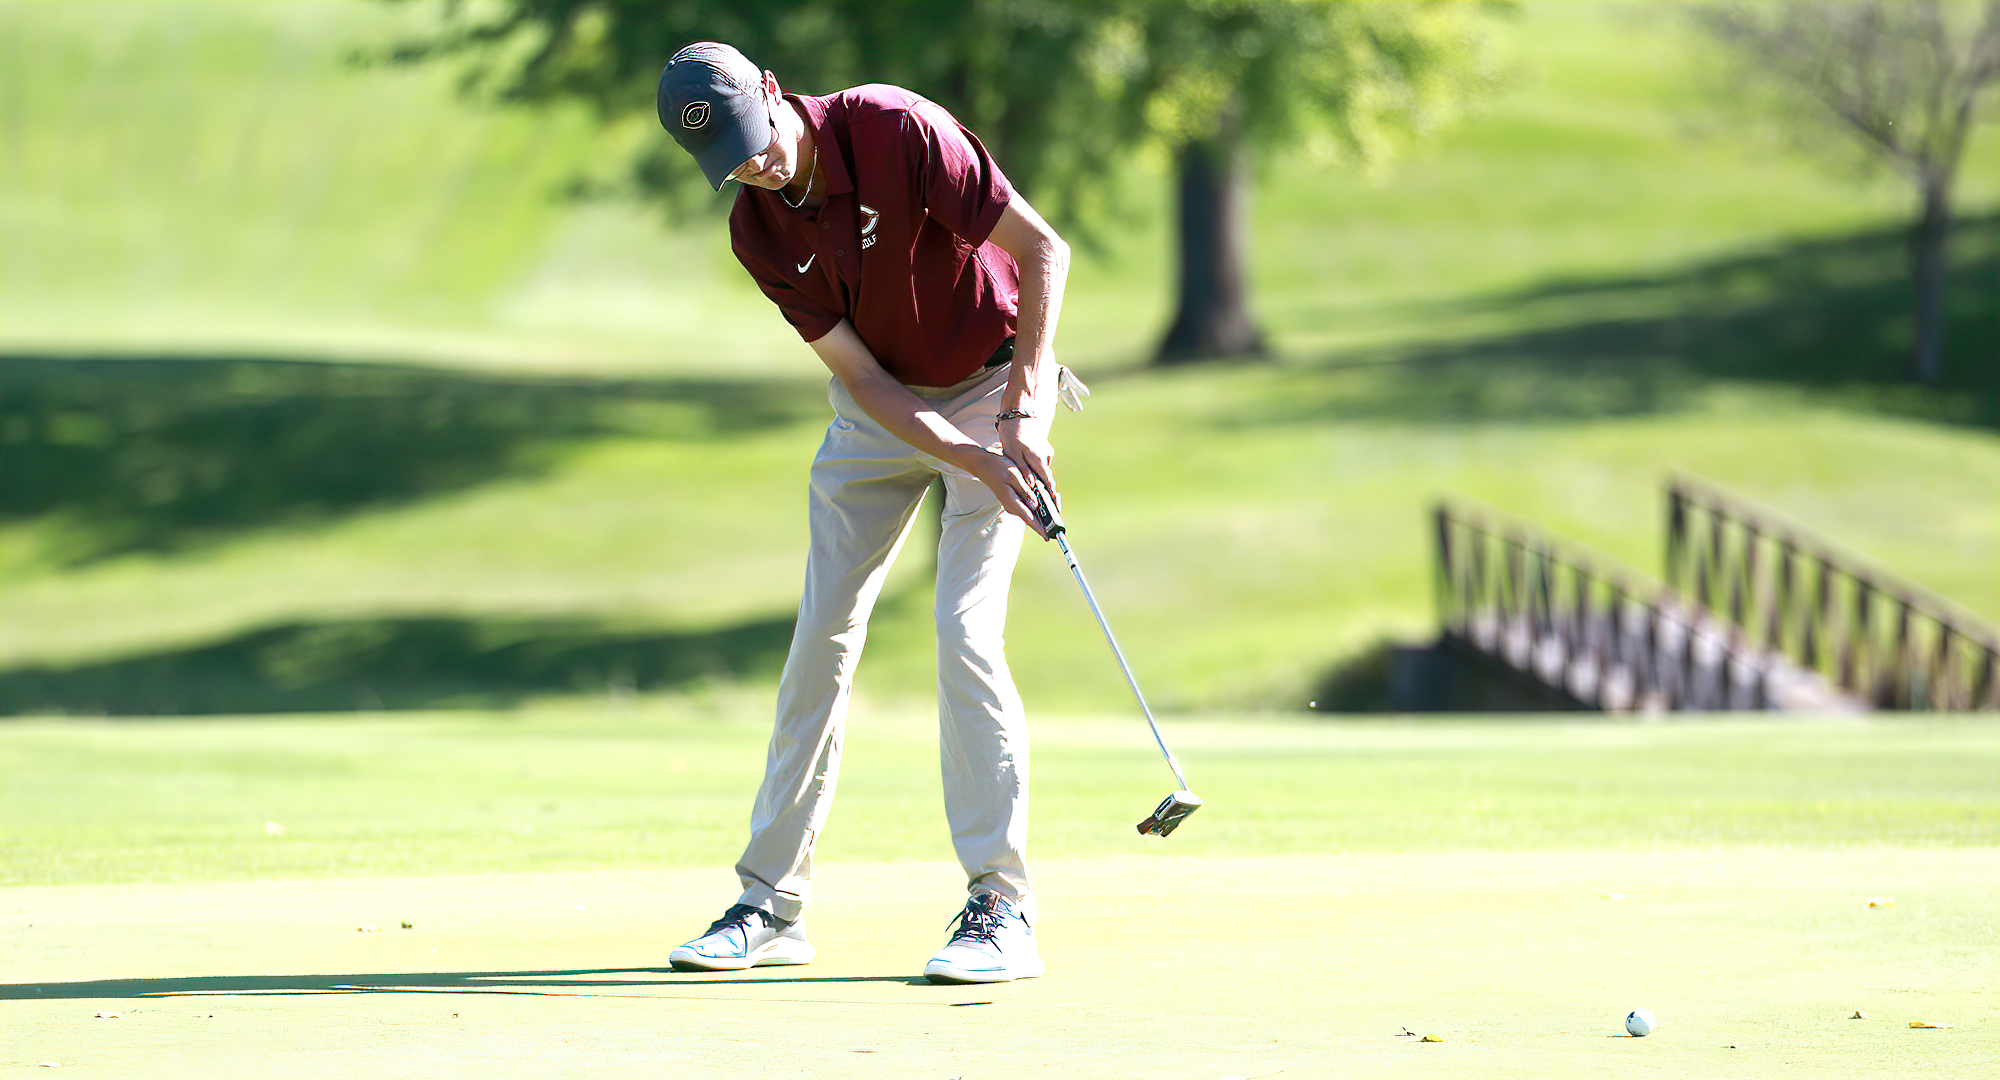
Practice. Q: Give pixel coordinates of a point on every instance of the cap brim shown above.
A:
(744, 139)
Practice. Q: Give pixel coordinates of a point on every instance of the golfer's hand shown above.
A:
(1026, 445)
(1007, 483)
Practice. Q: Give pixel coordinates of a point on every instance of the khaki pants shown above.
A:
(866, 484)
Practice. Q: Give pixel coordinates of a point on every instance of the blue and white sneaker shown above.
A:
(745, 937)
(990, 942)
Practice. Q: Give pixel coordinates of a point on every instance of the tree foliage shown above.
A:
(1899, 83)
(1349, 83)
(1060, 90)
(1299, 83)
(1015, 71)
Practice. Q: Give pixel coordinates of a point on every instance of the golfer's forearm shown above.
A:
(888, 402)
(909, 418)
(1031, 387)
(1042, 259)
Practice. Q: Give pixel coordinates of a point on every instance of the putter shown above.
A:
(1176, 807)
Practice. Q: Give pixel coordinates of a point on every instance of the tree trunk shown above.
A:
(1213, 316)
(1930, 269)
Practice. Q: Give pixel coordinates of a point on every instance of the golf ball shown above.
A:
(1639, 1021)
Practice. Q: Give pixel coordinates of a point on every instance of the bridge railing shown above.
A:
(1586, 628)
(1880, 639)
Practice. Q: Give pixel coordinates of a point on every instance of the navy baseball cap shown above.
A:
(712, 102)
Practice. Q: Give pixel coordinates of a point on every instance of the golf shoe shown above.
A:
(990, 942)
(745, 937)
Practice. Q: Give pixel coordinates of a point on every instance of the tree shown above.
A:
(1326, 84)
(1899, 82)
(1060, 91)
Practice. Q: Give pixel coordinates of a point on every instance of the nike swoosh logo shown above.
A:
(808, 262)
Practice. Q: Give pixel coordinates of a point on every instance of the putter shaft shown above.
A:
(1062, 541)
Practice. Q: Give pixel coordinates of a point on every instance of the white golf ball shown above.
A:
(1639, 1021)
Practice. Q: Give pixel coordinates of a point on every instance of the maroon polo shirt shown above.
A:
(898, 247)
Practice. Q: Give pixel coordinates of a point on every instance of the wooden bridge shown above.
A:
(1754, 614)
(1881, 640)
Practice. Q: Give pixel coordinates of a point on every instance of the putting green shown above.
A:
(1754, 958)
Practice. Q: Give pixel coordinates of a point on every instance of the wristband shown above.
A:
(1014, 414)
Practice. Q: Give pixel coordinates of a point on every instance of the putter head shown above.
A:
(1173, 810)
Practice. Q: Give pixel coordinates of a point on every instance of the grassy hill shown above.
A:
(319, 394)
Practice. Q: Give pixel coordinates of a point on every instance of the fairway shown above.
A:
(1513, 888)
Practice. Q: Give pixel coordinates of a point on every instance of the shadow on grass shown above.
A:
(540, 983)
(397, 663)
(1831, 317)
(1437, 678)
(137, 454)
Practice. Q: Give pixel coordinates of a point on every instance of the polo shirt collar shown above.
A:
(816, 109)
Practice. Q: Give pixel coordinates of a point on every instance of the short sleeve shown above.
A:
(963, 187)
(811, 320)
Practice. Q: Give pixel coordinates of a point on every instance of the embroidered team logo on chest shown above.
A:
(870, 217)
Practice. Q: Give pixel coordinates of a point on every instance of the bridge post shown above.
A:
(1441, 519)
(1676, 534)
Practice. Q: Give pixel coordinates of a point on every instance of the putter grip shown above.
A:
(1045, 512)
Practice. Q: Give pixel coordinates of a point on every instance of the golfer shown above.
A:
(890, 240)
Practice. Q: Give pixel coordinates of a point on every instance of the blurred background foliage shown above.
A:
(1061, 89)
(1900, 86)
(327, 384)
(1058, 89)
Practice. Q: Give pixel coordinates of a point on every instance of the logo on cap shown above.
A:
(695, 115)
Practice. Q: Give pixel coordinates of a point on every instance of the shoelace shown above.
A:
(737, 916)
(978, 922)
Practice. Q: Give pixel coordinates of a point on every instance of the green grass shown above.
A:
(1563, 300)
(1605, 156)
(219, 177)
(1513, 887)
(1239, 547)
(249, 189)
(645, 787)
